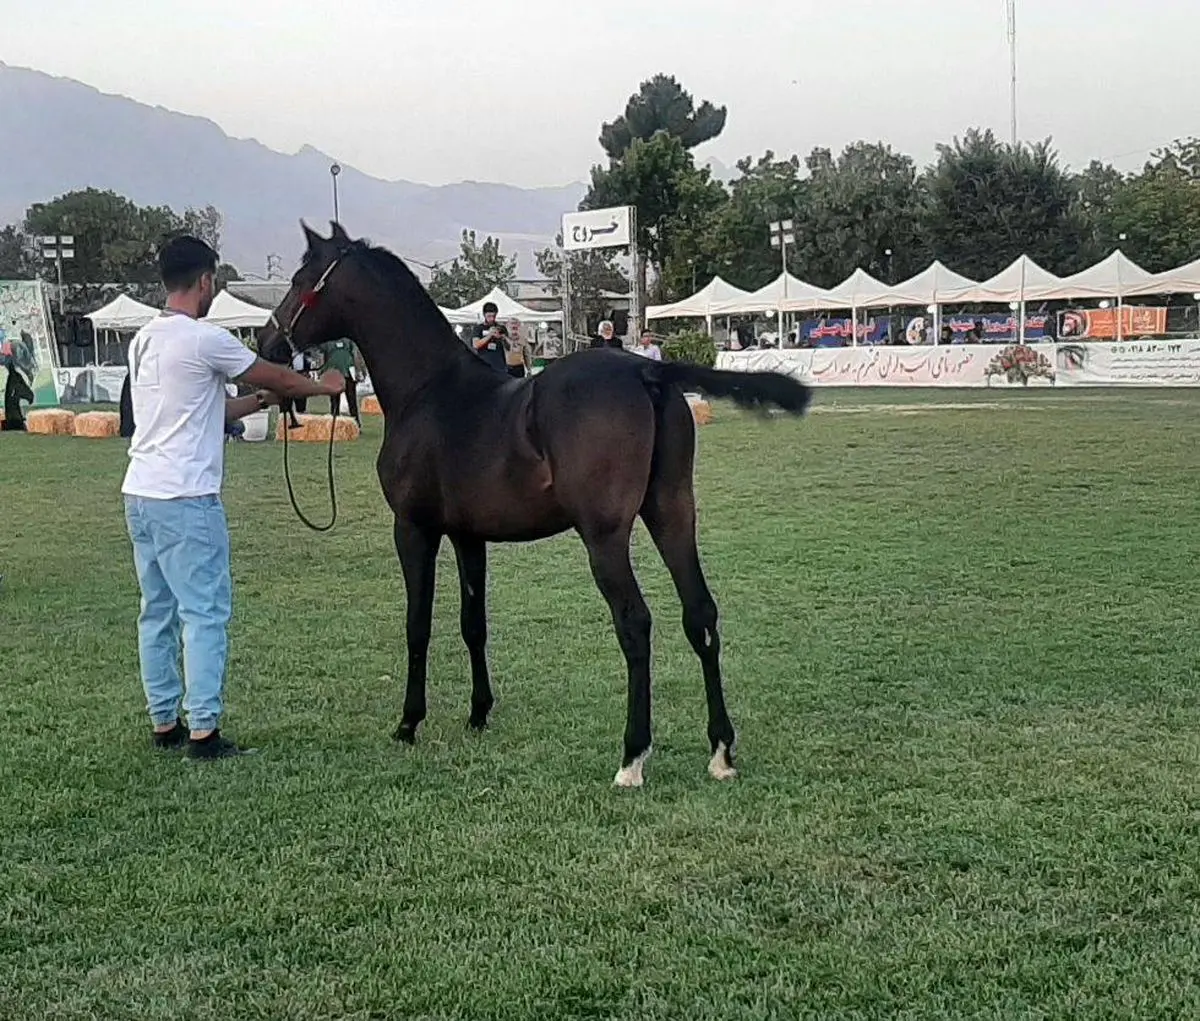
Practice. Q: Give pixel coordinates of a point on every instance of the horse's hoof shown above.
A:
(405, 734)
(631, 775)
(720, 766)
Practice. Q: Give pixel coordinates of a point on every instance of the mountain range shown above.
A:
(59, 135)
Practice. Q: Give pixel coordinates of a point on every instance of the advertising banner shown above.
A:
(91, 385)
(1132, 363)
(1101, 323)
(26, 335)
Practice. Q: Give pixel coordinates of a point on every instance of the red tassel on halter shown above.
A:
(308, 299)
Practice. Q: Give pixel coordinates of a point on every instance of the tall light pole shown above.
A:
(333, 173)
(56, 248)
(782, 235)
(1012, 63)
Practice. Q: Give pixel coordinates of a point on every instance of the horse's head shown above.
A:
(311, 311)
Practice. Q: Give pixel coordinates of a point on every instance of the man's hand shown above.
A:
(267, 398)
(333, 383)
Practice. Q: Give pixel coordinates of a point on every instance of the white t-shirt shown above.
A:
(651, 351)
(178, 370)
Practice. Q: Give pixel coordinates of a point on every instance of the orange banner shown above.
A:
(1101, 323)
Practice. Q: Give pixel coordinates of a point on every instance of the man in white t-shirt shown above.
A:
(649, 349)
(179, 367)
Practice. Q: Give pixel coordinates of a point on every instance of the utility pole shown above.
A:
(333, 172)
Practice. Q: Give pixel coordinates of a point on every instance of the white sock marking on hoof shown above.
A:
(718, 767)
(631, 775)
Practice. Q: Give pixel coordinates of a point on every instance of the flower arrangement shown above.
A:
(1019, 362)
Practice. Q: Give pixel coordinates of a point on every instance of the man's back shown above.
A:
(178, 369)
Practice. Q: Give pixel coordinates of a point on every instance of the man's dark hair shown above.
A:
(490, 306)
(184, 260)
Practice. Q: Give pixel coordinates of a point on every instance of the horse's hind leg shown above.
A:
(472, 579)
(669, 512)
(417, 550)
(608, 553)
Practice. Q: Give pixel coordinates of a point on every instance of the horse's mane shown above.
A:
(393, 271)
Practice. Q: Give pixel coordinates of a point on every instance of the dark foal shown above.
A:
(474, 456)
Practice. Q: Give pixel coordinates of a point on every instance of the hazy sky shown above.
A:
(515, 90)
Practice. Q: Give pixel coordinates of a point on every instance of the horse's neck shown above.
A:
(404, 352)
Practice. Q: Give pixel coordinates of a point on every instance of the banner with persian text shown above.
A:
(1101, 323)
(1134, 363)
(1131, 363)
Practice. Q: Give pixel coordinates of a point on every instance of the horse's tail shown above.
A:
(754, 390)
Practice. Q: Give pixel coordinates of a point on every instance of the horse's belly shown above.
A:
(517, 508)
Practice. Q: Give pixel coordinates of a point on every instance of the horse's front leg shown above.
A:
(418, 551)
(472, 577)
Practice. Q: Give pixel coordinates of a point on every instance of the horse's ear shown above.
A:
(315, 241)
(339, 233)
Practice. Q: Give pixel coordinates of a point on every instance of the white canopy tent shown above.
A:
(929, 287)
(1110, 278)
(233, 313)
(122, 314)
(858, 290)
(507, 308)
(1011, 284)
(704, 304)
(1184, 280)
(785, 293)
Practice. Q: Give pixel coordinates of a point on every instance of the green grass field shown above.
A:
(960, 651)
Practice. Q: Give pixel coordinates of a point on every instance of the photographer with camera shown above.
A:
(490, 339)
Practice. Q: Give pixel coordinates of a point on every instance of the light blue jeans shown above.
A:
(181, 552)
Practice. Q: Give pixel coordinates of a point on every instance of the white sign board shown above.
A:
(597, 228)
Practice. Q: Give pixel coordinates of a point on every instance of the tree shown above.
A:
(989, 203)
(1098, 185)
(690, 239)
(476, 270)
(853, 210)
(592, 274)
(661, 104)
(16, 260)
(674, 199)
(767, 190)
(1158, 210)
(117, 241)
(205, 224)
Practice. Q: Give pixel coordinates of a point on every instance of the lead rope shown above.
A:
(287, 474)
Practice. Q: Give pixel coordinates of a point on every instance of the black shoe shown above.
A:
(173, 738)
(215, 747)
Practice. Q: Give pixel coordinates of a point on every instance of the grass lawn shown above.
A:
(961, 655)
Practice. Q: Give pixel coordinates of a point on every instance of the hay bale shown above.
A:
(98, 425)
(702, 412)
(316, 428)
(369, 405)
(51, 422)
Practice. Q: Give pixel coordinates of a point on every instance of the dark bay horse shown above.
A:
(471, 455)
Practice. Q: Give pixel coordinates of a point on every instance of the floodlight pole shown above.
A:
(782, 235)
